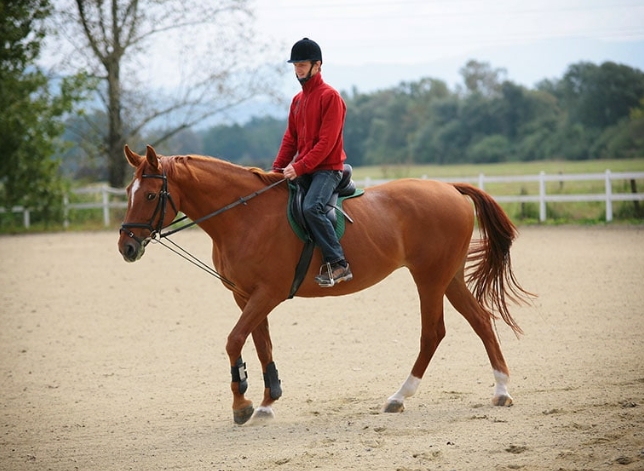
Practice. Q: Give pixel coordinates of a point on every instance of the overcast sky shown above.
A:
(376, 44)
(362, 40)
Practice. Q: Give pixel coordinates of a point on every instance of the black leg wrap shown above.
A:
(239, 374)
(272, 381)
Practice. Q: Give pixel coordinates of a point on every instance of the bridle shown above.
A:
(157, 234)
(160, 210)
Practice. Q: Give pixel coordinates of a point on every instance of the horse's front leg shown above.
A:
(272, 383)
(242, 408)
(254, 313)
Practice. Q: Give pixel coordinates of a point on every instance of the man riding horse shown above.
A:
(312, 151)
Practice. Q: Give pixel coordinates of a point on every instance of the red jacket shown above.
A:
(314, 131)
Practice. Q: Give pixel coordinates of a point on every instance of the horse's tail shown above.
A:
(490, 274)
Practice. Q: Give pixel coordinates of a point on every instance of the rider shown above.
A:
(312, 148)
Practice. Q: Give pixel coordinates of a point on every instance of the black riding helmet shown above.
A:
(305, 50)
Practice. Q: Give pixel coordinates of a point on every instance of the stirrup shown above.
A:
(329, 281)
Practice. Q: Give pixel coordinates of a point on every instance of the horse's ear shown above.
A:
(151, 155)
(133, 158)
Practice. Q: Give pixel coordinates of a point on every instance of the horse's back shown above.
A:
(424, 225)
(416, 205)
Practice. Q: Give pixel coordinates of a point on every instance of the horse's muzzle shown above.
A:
(130, 248)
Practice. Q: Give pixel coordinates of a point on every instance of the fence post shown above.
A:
(26, 218)
(482, 181)
(542, 196)
(66, 211)
(609, 197)
(106, 206)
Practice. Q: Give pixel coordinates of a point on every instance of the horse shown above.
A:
(424, 225)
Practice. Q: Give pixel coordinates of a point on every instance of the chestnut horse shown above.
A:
(423, 225)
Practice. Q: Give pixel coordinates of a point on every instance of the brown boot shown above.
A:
(332, 274)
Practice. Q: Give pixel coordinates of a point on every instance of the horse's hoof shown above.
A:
(394, 406)
(242, 416)
(262, 415)
(503, 400)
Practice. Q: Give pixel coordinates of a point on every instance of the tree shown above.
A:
(423, 122)
(490, 149)
(357, 125)
(31, 118)
(480, 77)
(600, 96)
(214, 63)
(389, 129)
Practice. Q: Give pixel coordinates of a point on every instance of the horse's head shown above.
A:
(147, 207)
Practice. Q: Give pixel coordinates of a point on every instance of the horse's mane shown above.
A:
(264, 176)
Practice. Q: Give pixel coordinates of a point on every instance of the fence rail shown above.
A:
(609, 196)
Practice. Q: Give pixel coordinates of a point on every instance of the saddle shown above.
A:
(345, 189)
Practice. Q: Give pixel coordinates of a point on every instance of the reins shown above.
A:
(157, 234)
(241, 200)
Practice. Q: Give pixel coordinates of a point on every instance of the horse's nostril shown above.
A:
(130, 251)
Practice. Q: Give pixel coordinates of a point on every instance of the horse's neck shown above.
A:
(246, 227)
(208, 184)
(202, 179)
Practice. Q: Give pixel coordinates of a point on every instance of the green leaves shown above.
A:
(32, 107)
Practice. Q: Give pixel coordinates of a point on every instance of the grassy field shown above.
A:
(512, 168)
(591, 212)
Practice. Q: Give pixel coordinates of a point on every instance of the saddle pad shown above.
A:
(340, 219)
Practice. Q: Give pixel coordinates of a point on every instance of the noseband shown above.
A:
(160, 211)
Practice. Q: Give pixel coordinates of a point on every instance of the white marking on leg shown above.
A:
(501, 386)
(264, 410)
(408, 389)
(135, 188)
(261, 415)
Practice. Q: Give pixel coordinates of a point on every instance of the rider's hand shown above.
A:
(289, 172)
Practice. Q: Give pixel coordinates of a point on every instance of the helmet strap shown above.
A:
(308, 76)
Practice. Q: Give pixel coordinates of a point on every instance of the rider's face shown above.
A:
(302, 68)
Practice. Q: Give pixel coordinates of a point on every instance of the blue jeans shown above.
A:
(321, 186)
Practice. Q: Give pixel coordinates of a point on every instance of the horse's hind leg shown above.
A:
(432, 332)
(480, 319)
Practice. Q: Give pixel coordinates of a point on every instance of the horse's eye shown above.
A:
(150, 196)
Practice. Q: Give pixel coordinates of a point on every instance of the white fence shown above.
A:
(609, 196)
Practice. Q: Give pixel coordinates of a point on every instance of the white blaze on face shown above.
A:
(135, 188)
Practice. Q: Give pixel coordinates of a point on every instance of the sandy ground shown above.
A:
(112, 366)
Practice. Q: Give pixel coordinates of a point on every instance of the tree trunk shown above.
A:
(116, 160)
(116, 30)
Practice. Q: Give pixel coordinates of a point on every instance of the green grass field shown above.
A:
(587, 212)
(501, 169)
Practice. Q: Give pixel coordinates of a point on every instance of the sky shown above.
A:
(370, 45)
(376, 44)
